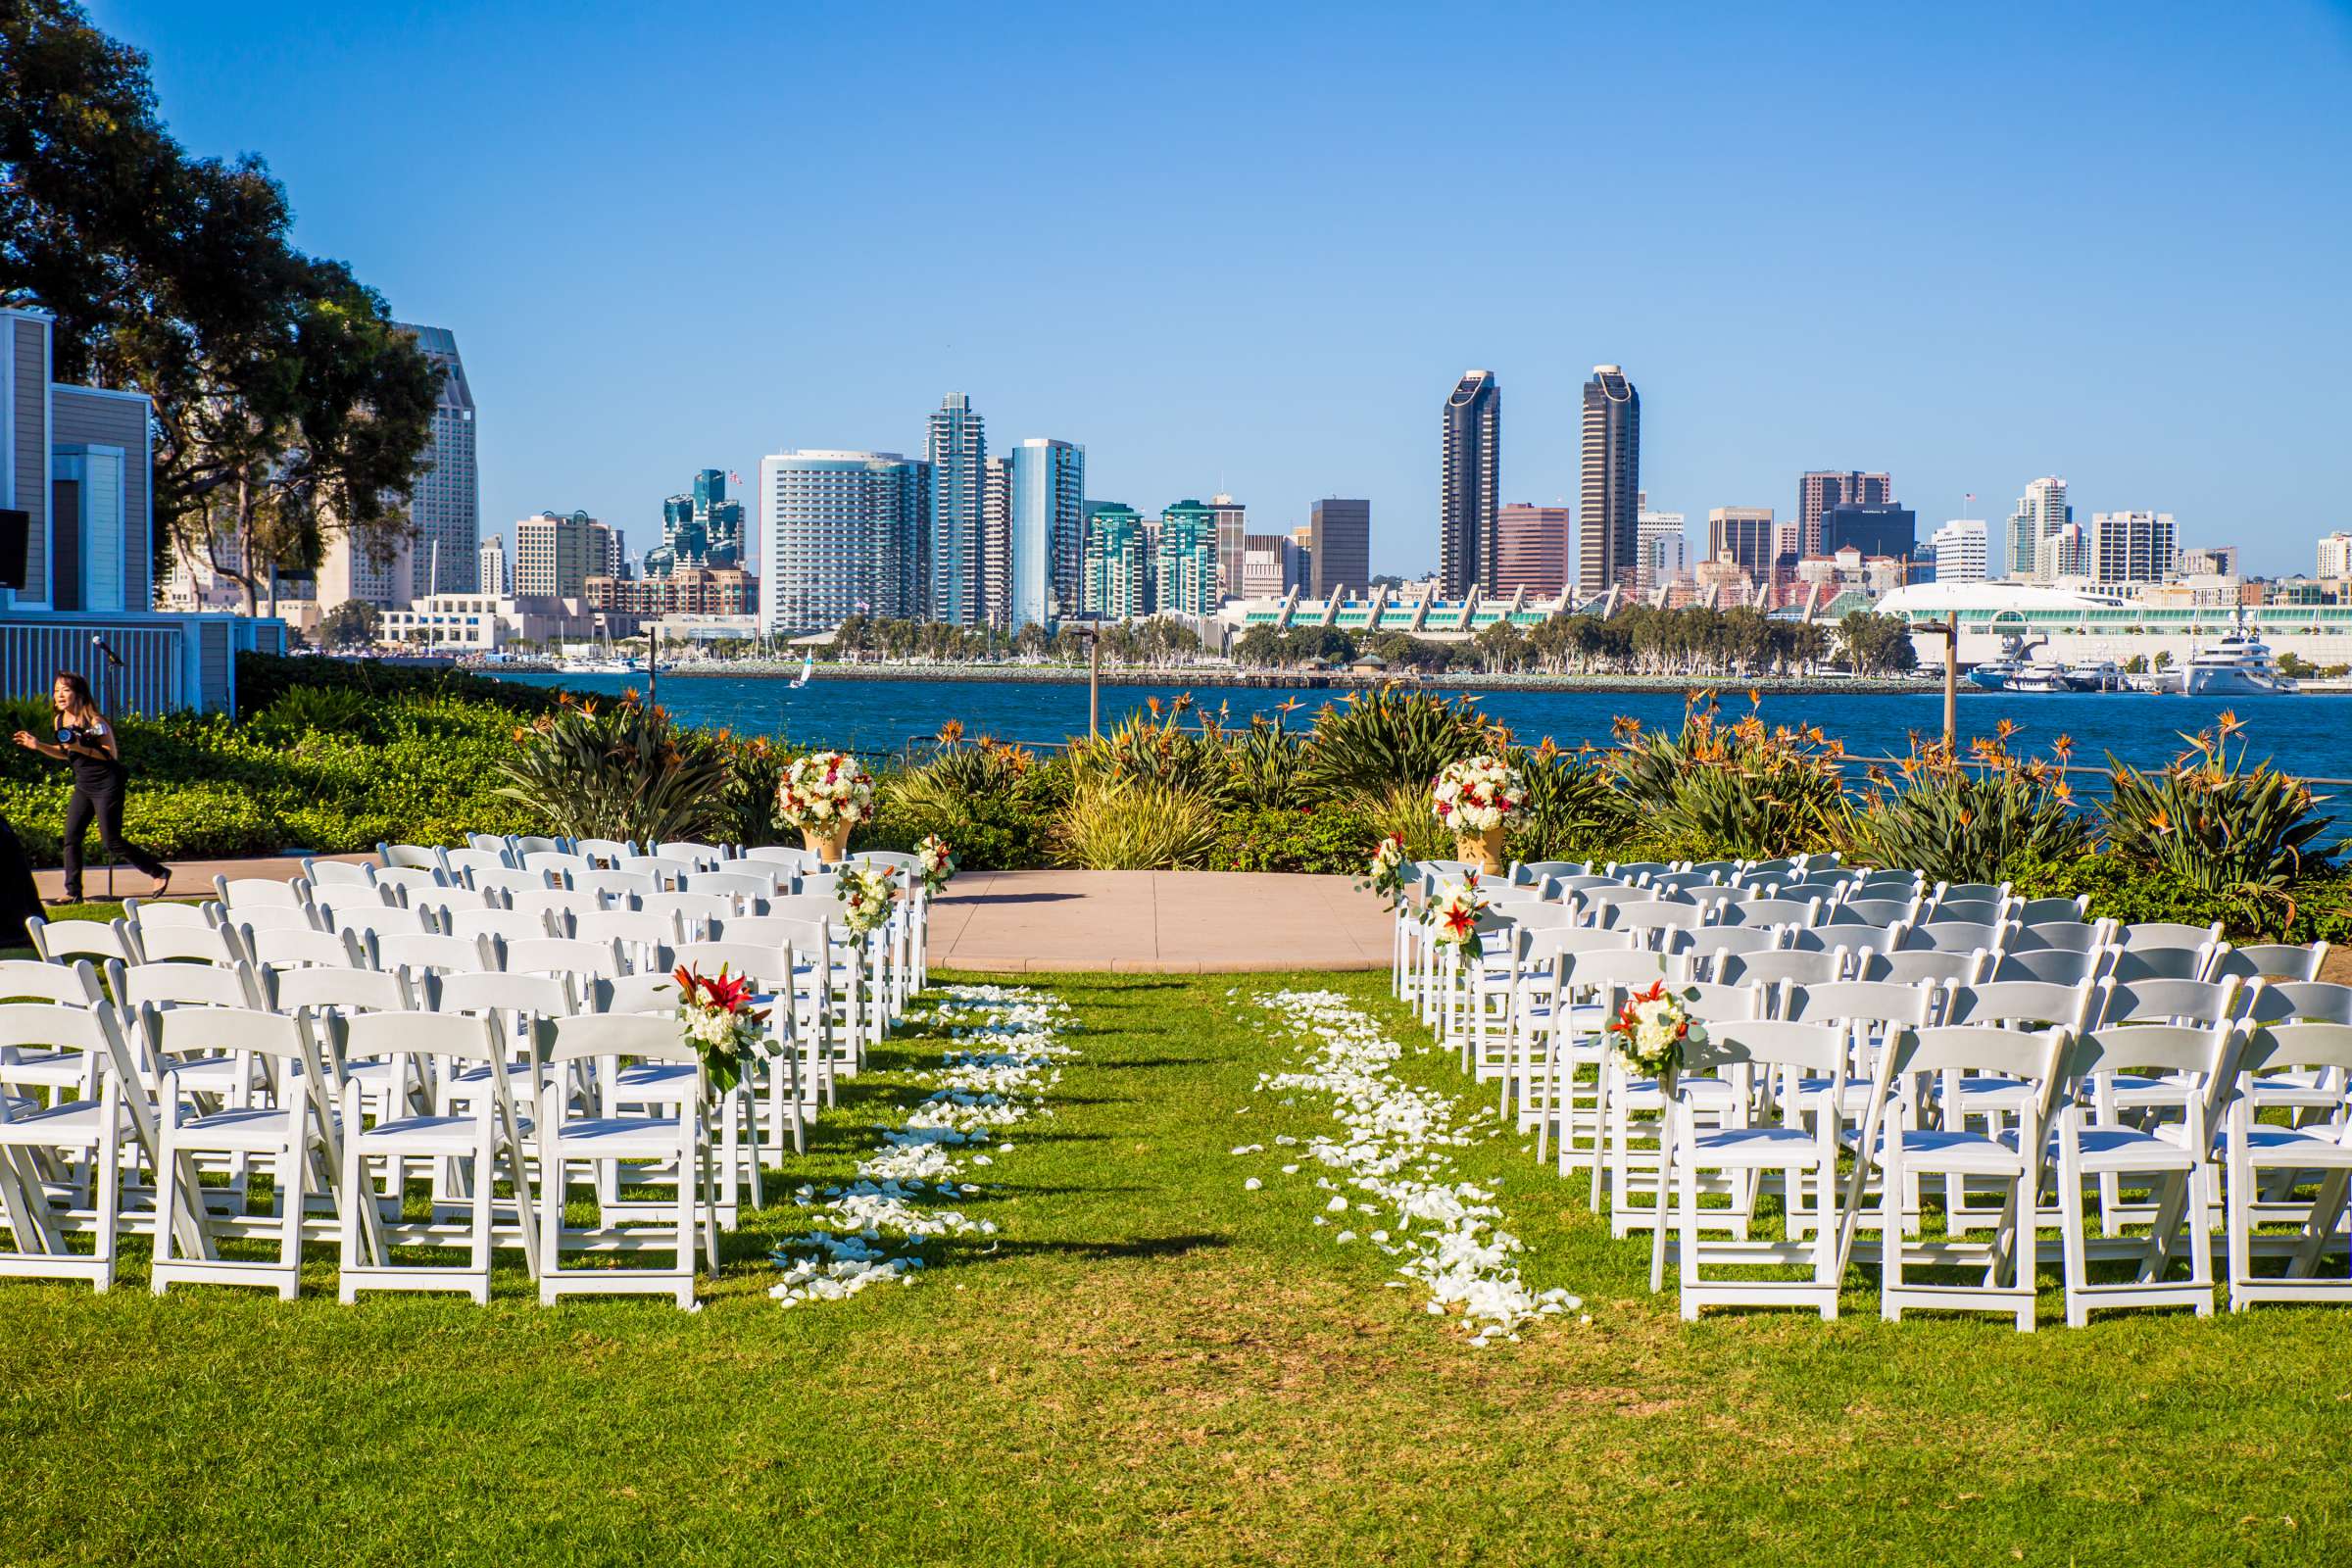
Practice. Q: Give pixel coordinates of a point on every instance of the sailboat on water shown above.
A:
(808, 668)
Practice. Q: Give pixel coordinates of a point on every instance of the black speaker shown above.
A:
(15, 527)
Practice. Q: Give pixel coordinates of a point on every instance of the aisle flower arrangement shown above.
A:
(866, 894)
(937, 863)
(1457, 910)
(1651, 1031)
(825, 795)
(1384, 877)
(1476, 795)
(716, 1016)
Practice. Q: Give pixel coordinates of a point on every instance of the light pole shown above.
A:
(1094, 683)
(1949, 631)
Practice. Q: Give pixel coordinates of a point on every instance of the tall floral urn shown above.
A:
(825, 795)
(1475, 799)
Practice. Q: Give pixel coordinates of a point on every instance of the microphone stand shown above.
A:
(105, 706)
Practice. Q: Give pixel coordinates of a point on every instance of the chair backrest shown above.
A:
(377, 920)
(74, 984)
(702, 856)
(506, 925)
(506, 879)
(83, 1028)
(178, 1033)
(416, 956)
(1547, 943)
(2012, 1002)
(2152, 1047)
(522, 844)
(558, 864)
(2198, 1002)
(801, 931)
(1759, 874)
(411, 884)
(616, 884)
(1641, 871)
(765, 964)
(1871, 912)
(756, 883)
(1626, 970)
(1809, 1047)
(291, 949)
(1670, 882)
(2273, 960)
(408, 858)
(603, 851)
(184, 985)
(446, 1039)
(636, 993)
(2165, 934)
(271, 918)
(1974, 912)
(639, 928)
(2028, 1055)
(460, 864)
(783, 855)
(347, 879)
(151, 913)
(1717, 940)
(557, 905)
(2057, 936)
(666, 872)
(2283, 1047)
(2051, 911)
(644, 1037)
(183, 944)
(1863, 1003)
(1770, 911)
(806, 907)
(1577, 881)
(543, 996)
(1971, 891)
(563, 956)
(2054, 965)
(344, 989)
(491, 844)
(60, 940)
(817, 884)
(694, 909)
(2290, 1001)
(1540, 917)
(1954, 936)
(2136, 965)
(1781, 966)
(1850, 938)
(1908, 968)
(239, 892)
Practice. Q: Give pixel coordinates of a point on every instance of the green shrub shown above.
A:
(1370, 747)
(1570, 806)
(1118, 824)
(1326, 839)
(336, 710)
(1739, 789)
(1267, 767)
(1959, 825)
(625, 771)
(2239, 836)
(993, 804)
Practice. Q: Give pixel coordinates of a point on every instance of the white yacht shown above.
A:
(2239, 664)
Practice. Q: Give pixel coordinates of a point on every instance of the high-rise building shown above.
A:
(445, 506)
(1340, 535)
(958, 448)
(1118, 568)
(1270, 567)
(1745, 535)
(556, 553)
(1233, 524)
(1531, 551)
(1963, 550)
(1817, 492)
(1609, 543)
(2206, 561)
(2335, 555)
(608, 551)
(492, 575)
(2040, 511)
(1469, 484)
(995, 542)
(2064, 553)
(1302, 558)
(2131, 545)
(1664, 547)
(1047, 528)
(1185, 578)
(1875, 529)
(845, 535)
(700, 529)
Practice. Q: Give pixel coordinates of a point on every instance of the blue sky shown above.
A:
(1249, 249)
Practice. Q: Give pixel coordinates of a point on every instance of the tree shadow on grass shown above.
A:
(1139, 1246)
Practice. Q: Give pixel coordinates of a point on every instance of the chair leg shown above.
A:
(166, 1200)
(355, 1193)
(2073, 1245)
(293, 1186)
(485, 1188)
(110, 1159)
(1890, 1246)
(551, 1220)
(1689, 1188)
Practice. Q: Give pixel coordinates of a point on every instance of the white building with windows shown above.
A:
(1963, 550)
(2131, 545)
(2336, 557)
(445, 506)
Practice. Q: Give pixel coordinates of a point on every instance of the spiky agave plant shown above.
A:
(1373, 745)
(1737, 789)
(1982, 820)
(1571, 808)
(1115, 823)
(626, 771)
(2242, 835)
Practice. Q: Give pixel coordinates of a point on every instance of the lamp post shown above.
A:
(1949, 631)
(1093, 682)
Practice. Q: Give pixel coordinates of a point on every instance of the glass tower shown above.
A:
(957, 449)
(1048, 530)
(1609, 549)
(1469, 486)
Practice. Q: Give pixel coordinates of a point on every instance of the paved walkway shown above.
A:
(1164, 922)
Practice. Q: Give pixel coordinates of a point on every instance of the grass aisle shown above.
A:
(1148, 1362)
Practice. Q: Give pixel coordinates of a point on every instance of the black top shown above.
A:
(89, 773)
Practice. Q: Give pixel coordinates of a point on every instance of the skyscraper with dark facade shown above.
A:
(1609, 543)
(1875, 531)
(1469, 487)
(957, 450)
(1817, 492)
(1339, 534)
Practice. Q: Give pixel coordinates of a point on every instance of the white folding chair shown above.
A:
(78, 1136)
(63, 941)
(2269, 1165)
(183, 944)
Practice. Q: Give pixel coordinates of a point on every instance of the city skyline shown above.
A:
(1973, 367)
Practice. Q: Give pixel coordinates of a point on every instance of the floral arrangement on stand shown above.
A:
(718, 1020)
(937, 862)
(1474, 797)
(867, 894)
(1652, 1029)
(1457, 910)
(825, 795)
(1385, 876)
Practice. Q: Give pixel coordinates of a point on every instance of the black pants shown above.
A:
(104, 802)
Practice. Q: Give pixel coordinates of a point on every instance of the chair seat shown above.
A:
(619, 1137)
(1995, 1093)
(251, 1129)
(211, 1075)
(1764, 1147)
(75, 1124)
(1940, 1149)
(1854, 1100)
(47, 1069)
(2299, 1147)
(424, 1135)
(1705, 1094)
(2130, 1148)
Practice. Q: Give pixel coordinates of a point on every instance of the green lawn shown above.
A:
(1149, 1364)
